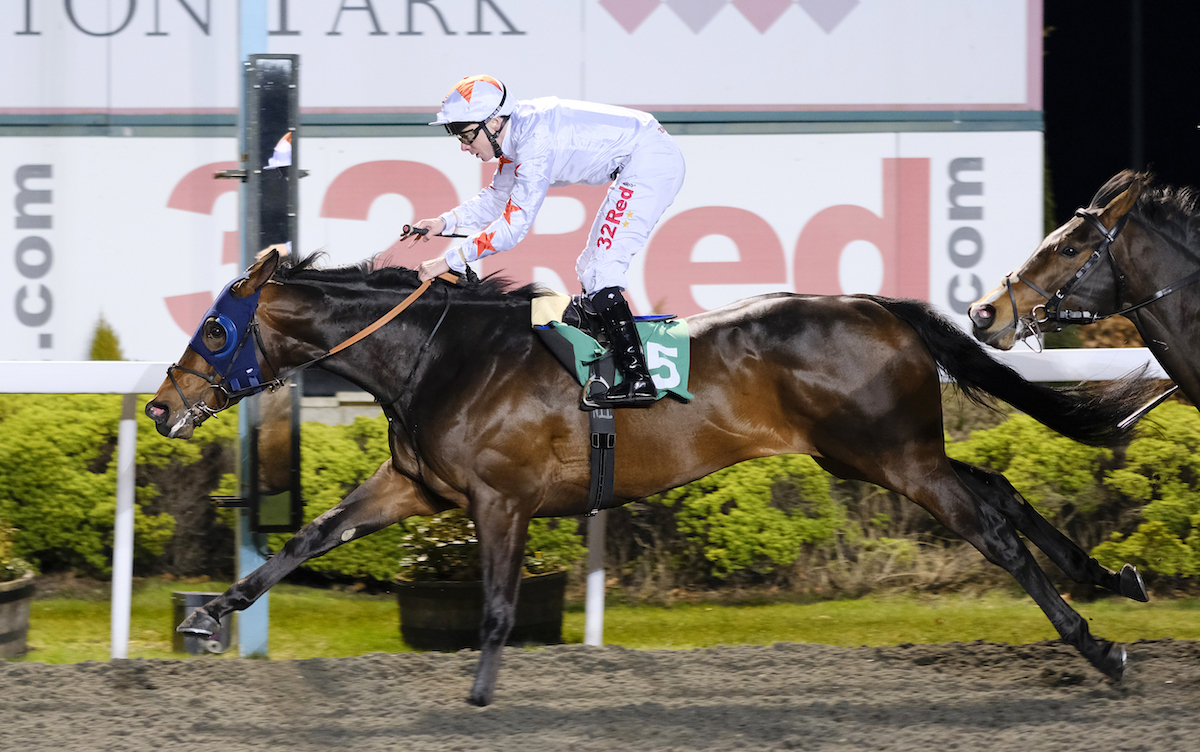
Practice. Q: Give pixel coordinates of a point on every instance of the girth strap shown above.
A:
(604, 440)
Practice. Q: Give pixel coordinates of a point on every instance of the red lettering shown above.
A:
(613, 217)
(351, 194)
(901, 234)
(671, 273)
(621, 205)
(198, 192)
(626, 193)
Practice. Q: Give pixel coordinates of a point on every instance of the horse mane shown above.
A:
(306, 271)
(1175, 212)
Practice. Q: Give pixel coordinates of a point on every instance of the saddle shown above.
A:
(572, 330)
(581, 314)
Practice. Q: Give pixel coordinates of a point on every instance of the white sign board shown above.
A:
(180, 56)
(137, 230)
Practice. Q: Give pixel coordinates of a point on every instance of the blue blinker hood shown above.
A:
(236, 362)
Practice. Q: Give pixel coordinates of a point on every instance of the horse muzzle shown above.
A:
(175, 424)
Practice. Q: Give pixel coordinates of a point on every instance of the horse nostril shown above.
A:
(156, 411)
(983, 316)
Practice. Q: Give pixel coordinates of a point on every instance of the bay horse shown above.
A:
(1133, 252)
(481, 416)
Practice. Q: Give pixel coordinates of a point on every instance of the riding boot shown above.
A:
(637, 387)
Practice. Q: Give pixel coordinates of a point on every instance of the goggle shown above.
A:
(466, 135)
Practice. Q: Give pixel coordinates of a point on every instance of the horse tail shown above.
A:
(1091, 414)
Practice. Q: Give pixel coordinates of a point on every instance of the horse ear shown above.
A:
(257, 275)
(1121, 205)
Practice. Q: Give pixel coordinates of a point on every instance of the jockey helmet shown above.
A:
(475, 99)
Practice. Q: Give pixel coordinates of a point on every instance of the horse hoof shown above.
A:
(1113, 663)
(479, 701)
(1132, 585)
(200, 624)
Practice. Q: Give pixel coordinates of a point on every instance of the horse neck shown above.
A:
(394, 358)
(1151, 261)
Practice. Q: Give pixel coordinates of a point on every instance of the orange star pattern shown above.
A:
(509, 209)
(466, 87)
(504, 161)
(484, 243)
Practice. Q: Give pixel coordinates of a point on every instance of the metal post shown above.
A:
(593, 630)
(254, 622)
(122, 571)
(1137, 137)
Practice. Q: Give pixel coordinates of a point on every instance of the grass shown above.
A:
(309, 623)
(886, 621)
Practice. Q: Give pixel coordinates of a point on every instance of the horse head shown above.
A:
(222, 362)
(1063, 271)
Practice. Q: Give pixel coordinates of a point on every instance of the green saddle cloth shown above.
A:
(666, 343)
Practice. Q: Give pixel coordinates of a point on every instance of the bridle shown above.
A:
(200, 411)
(1051, 311)
(230, 388)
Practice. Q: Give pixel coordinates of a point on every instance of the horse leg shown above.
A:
(501, 528)
(383, 499)
(983, 526)
(994, 489)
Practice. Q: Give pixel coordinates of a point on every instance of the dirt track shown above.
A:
(977, 696)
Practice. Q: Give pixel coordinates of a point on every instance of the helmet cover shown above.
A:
(475, 99)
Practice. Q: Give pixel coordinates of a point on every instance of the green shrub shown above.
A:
(58, 482)
(1162, 470)
(104, 343)
(757, 515)
(11, 566)
(1051, 471)
(777, 521)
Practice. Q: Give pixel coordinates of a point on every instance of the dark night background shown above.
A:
(1099, 120)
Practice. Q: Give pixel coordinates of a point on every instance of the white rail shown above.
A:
(1085, 364)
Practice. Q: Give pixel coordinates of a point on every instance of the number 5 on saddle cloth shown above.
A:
(576, 338)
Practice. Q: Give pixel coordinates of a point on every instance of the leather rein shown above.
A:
(200, 411)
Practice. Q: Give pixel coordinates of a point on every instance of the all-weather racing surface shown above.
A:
(966, 696)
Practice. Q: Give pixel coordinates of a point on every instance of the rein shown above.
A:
(365, 332)
(1050, 310)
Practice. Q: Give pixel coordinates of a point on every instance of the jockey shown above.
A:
(550, 142)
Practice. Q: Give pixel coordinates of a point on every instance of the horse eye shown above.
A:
(214, 333)
(1069, 252)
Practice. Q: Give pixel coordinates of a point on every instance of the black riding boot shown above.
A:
(637, 387)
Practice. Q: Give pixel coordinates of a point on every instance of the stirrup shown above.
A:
(632, 398)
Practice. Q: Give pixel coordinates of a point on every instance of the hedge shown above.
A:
(769, 520)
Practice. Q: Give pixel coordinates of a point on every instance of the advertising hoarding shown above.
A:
(137, 230)
(396, 56)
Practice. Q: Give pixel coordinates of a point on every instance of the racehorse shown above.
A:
(481, 416)
(1134, 252)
